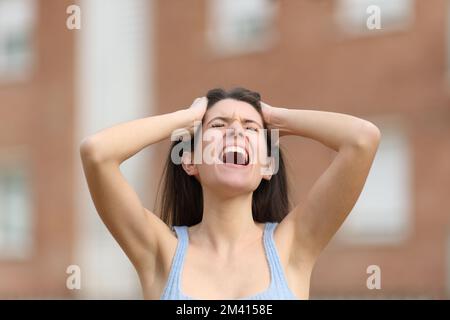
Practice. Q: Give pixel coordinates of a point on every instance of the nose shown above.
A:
(236, 129)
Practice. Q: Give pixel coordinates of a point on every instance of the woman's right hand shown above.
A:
(192, 116)
(198, 108)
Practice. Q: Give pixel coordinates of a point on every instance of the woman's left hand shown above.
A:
(271, 118)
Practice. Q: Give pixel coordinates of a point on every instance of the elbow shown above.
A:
(368, 136)
(90, 150)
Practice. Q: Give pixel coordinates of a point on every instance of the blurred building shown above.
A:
(37, 159)
(138, 58)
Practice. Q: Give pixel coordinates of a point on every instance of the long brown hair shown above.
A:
(182, 197)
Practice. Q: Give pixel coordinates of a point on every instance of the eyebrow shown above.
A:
(226, 119)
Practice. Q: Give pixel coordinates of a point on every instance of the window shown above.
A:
(352, 15)
(16, 31)
(15, 213)
(382, 213)
(237, 26)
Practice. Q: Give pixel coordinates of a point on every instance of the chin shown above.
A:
(235, 185)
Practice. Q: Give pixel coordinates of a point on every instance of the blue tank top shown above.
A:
(277, 290)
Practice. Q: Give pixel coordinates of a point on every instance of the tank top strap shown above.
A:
(173, 286)
(276, 268)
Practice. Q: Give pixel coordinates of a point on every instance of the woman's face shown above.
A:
(234, 148)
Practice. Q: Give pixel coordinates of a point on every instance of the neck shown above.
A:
(227, 223)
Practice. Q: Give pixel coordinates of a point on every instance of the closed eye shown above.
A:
(217, 125)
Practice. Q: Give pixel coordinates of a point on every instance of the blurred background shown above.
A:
(137, 58)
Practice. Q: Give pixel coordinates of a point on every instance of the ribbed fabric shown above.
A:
(278, 288)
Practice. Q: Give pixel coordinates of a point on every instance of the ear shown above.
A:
(189, 167)
(268, 171)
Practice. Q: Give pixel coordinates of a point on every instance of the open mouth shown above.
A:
(235, 155)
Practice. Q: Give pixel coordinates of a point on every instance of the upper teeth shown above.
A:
(235, 149)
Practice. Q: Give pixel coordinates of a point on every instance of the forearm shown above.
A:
(334, 130)
(122, 141)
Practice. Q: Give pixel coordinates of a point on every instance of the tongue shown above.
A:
(234, 157)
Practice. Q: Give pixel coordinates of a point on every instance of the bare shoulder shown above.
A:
(161, 228)
(291, 252)
(283, 236)
(167, 239)
(297, 267)
(154, 273)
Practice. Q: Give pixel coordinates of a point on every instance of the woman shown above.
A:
(226, 230)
